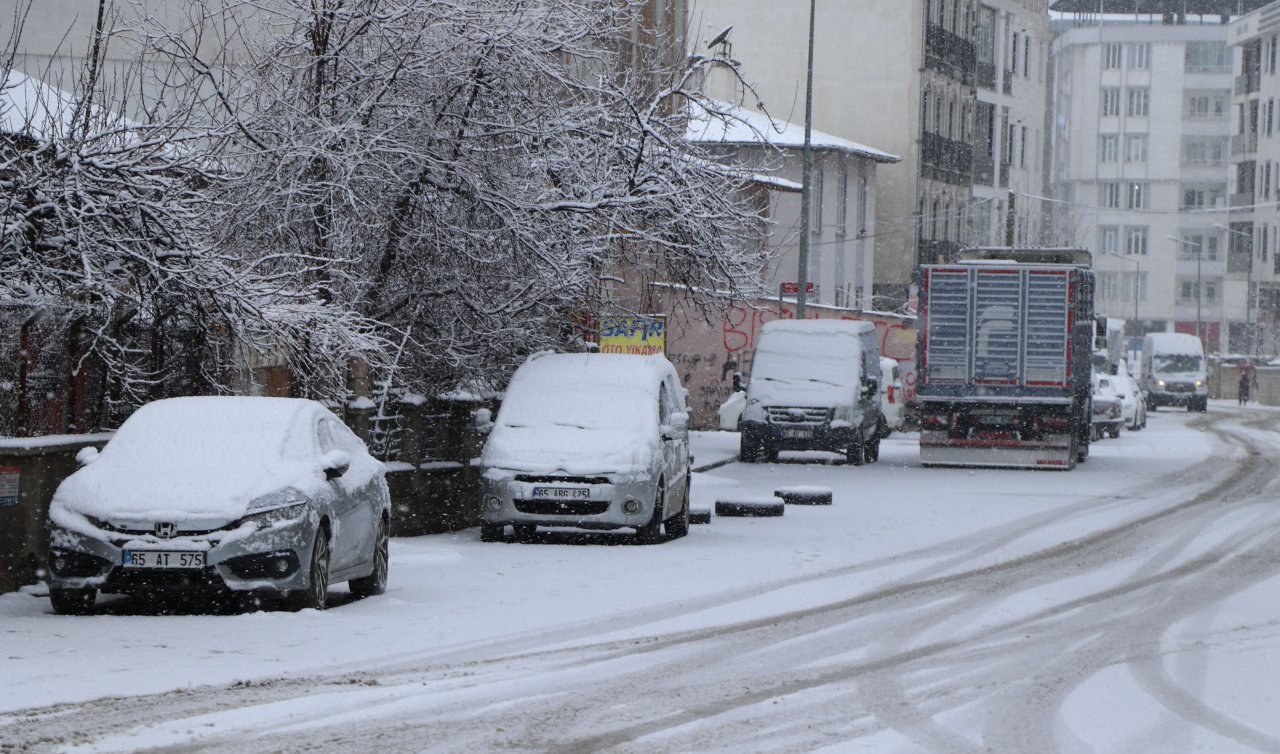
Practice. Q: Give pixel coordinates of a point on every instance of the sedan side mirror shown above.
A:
(335, 463)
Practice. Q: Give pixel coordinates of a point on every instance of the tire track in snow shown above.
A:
(711, 676)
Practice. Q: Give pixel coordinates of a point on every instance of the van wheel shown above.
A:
(679, 526)
(872, 450)
(491, 532)
(651, 533)
(856, 453)
(525, 532)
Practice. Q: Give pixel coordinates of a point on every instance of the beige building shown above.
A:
(1010, 125)
(934, 81)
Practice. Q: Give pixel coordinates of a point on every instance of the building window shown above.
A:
(1195, 242)
(1139, 102)
(815, 200)
(1013, 59)
(1108, 148)
(1110, 101)
(1202, 105)
(1109, 239)
(1111, 195)
(1136, 192)
(1204, 151)
(842, 200)
(1140, 55)
(1208, 57)
(1135, 148)
(1135, 240)
(1111, 56)
(1201, 197)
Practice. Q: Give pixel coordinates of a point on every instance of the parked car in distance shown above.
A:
(1108, 414)
(243, 495)
(815, 385)
(591, 441)
(1132, 405)
(893, 398)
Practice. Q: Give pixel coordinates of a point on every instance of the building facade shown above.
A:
(934, 81)
(1141, 146)
(1010, 125)
(1254, 221)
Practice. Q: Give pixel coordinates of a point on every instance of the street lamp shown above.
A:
(807, 179)
(1199, 291)
(1248, 285)
(1137, 273)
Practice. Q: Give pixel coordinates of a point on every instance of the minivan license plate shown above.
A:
(797, 433)
(162, 559)
(561, 493)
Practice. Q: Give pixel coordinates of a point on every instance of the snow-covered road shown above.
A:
(1131, 605)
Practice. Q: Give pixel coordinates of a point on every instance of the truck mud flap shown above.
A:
(1040, 456)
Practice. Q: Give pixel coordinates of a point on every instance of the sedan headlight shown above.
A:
(268, 519)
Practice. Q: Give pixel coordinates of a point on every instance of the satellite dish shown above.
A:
(720, 38)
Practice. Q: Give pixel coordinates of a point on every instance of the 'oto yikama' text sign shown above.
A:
(635, 335)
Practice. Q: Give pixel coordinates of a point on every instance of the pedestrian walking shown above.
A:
(1243, 387)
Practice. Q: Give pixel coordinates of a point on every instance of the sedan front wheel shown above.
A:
(316, 593)
(375, 583)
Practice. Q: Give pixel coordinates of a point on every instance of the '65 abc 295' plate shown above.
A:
(162, 559)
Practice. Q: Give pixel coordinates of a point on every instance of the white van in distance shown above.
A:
(1173, 371)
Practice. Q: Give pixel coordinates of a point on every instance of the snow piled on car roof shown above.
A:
(199, 456)
(579, 414)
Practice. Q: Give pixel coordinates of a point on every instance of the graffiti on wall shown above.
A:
(708, 356)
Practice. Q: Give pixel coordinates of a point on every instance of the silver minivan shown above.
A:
(591, 441)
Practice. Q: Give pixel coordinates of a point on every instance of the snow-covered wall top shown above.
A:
(743, 126)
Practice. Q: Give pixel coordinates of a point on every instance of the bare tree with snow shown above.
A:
(464, 172)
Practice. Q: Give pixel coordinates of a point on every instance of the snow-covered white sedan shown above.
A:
(222, 494)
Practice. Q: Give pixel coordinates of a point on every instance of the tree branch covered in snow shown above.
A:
(465, 170)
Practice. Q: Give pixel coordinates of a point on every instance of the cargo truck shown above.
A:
(1004, 352)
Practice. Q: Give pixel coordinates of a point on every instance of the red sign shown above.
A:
(794, 288)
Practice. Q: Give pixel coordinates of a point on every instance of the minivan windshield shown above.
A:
(1175, 362)
(829, 361)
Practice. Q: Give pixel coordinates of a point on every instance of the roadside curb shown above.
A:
(714, 464)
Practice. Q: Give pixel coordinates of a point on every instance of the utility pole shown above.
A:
(807, 179)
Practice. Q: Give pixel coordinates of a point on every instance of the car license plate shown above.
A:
(162, 559)
(561, 493)
(799, 433)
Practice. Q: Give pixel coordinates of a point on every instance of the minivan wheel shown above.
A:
(679, 525)
(491, 532)
(524, 532)
(856, 453)
(375, 583)
(651, 533)
(316, 593)
(72, 601)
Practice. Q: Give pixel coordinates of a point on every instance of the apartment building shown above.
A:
(1141, 147)
(1010, 124)
(1254, 219)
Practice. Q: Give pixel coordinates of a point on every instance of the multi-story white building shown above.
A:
(1010, 145)
(1255, 158)
(1141, 150)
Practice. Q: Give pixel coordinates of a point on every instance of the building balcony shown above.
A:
(985, 75)
(1244, 144)
(1248, 83)
(984, 169)
(1240, 200)
(951, 54)
(946, 160)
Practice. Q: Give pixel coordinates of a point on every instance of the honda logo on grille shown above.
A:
(166, 529)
